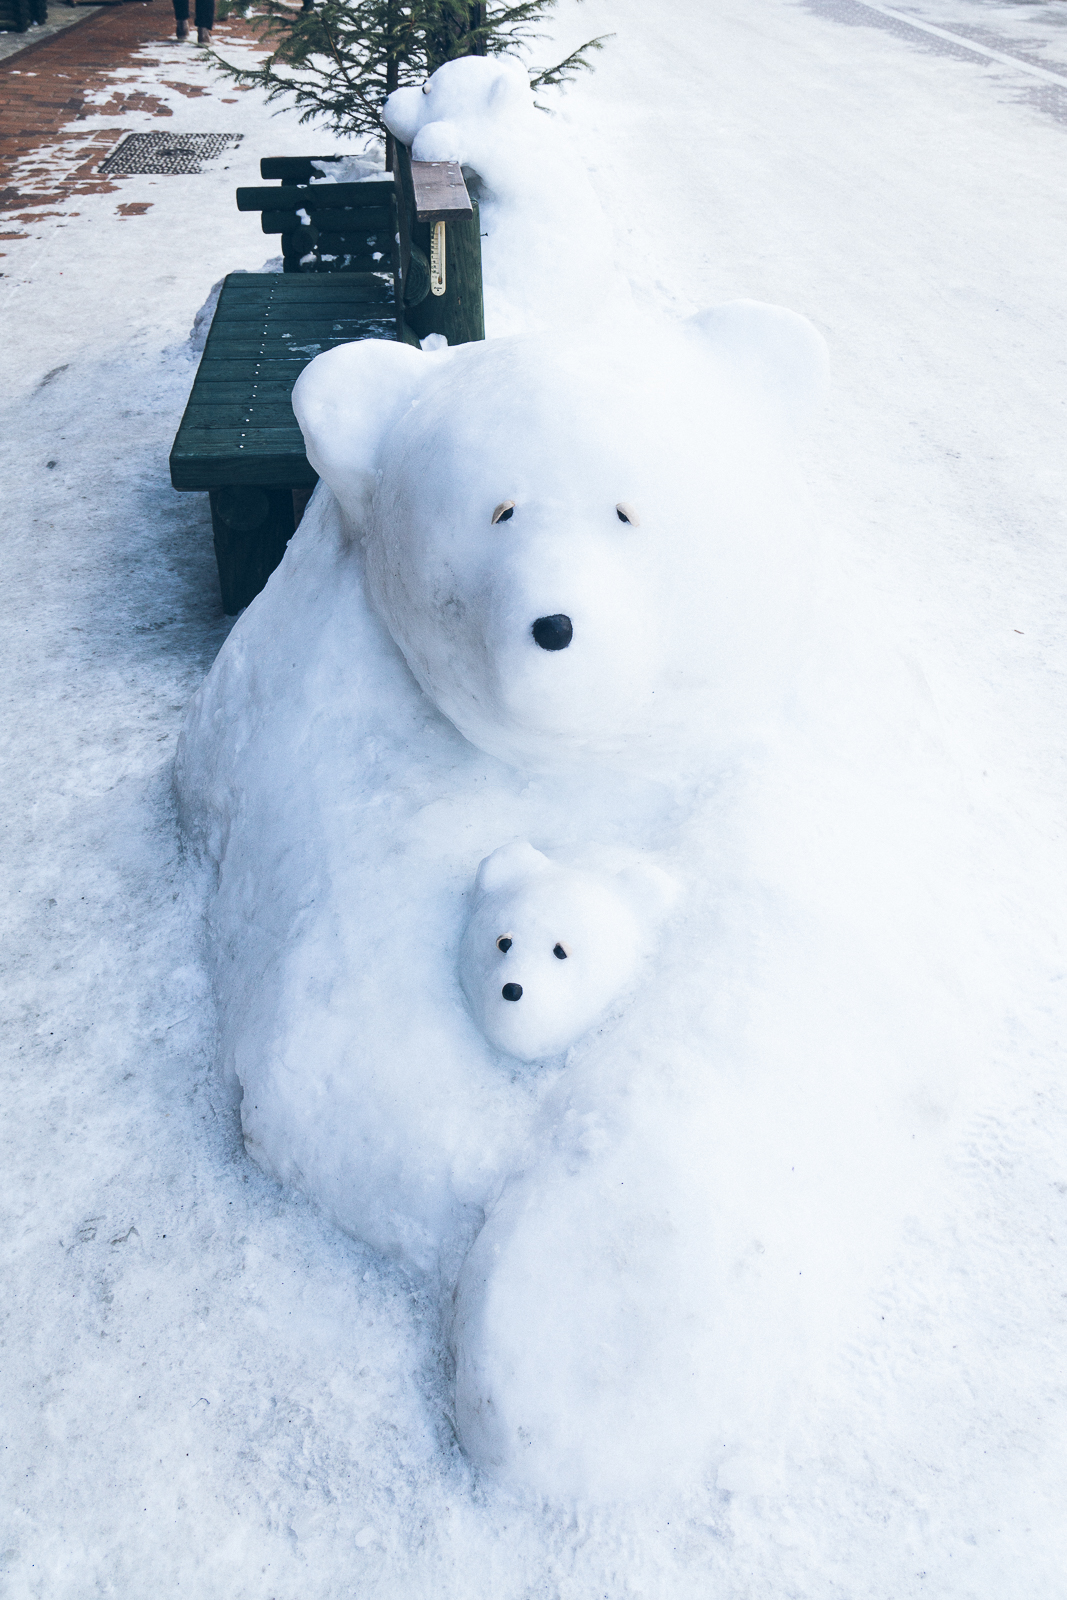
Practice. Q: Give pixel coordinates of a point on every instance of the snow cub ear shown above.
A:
(512, 864)
(781, 355)
(510, 87)
(346, 401)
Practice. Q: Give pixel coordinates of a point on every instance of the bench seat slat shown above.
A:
(366, 288)
(283, 287)
(249, 315)
(306, 348)
(254, 413)
(265, 387)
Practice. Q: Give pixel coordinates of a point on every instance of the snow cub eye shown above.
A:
(426, 87)
(503, 513)
(503, 944)
(559, 952)
(626, 513)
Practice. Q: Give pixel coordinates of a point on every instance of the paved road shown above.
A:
(964, 40)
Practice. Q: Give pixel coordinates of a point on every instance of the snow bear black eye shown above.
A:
(626, 513)
(503, 513)
(559, 952)
(503, 944)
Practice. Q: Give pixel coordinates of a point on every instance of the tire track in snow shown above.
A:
(1050, 97)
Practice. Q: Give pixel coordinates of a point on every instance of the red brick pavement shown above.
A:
(45, 162)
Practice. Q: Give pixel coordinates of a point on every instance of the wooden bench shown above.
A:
(396, 259)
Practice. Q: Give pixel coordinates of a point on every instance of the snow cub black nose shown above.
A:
(512, 991)
(553, 633)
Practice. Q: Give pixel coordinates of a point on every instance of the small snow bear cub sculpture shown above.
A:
(548, 948)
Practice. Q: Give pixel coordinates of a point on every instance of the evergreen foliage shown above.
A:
(339, 59)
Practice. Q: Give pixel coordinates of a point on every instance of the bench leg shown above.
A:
(252, 527)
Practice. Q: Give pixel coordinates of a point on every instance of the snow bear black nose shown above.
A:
(553, 633)
(512, 991)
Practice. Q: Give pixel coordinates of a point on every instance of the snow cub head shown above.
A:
(549, 948)
(462, 110)
(586, 552)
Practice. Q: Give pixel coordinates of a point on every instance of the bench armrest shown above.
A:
(440, 192)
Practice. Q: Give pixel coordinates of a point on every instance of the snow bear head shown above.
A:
(585, 552)
(465, 109)
(548, 948)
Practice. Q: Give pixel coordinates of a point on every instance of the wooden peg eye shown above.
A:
(626, 513)
(503, 944)
(504, 512)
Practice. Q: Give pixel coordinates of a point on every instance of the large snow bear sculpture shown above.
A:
(651, 1220)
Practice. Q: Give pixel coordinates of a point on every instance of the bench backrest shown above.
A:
(418, 226)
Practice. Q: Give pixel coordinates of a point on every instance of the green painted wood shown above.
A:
(458, 313)
(296, 334)
(215, 472)
(247, 321)
(305, 196)
(293, 168)
(239, 370)
(270, 389)
(238, 428)
(376, 221)
(276, 288)
(357, 288)
(279, 221)
(220, 414)
(299, 349)
(252, 526)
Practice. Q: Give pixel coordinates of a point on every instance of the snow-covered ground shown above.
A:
(207, 1389)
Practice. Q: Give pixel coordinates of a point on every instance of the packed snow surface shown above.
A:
(209, 1386)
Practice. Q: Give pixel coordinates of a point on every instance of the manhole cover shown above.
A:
(168, 152)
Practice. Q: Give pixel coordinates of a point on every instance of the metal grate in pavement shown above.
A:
(168, 153)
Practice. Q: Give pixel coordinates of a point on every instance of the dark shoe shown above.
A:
(203, 35)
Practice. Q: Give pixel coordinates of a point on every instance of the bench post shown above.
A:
(252, 526)
(458, 313)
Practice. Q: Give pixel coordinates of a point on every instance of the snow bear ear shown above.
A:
(781, 354)
(510, 865)
(511, 86)
(651, 891)
(346, 400)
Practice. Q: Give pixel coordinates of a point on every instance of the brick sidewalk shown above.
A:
(45, 163)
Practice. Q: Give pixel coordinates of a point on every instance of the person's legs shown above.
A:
(205, 20)
(181, 18)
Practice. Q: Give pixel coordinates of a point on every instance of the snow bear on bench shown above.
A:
(551, 591)
(547, 252)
